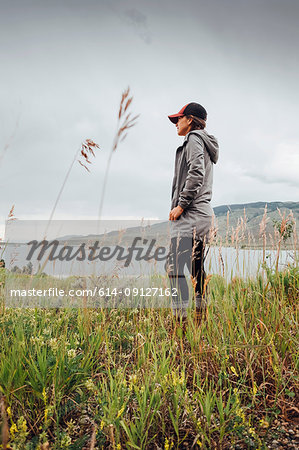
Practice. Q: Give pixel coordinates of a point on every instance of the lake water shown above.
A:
(225, 261)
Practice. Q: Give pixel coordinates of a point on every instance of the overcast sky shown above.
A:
(65, 63)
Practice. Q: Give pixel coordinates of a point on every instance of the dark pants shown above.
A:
(186, 252)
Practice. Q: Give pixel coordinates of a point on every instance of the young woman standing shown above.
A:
(191, 212)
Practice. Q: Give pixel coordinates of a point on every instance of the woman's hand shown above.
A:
(175, 213)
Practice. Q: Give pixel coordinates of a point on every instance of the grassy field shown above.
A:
(138, 378)
(112, 378)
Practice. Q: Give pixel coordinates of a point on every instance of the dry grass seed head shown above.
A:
(264, 222)
(11, 215)
(127, 120)
(87, 148)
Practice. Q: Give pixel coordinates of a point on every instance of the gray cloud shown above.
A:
(139, 22)
(286, 182)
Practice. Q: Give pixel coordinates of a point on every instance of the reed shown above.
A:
(125, 121)
(263, 225)
(87, 148)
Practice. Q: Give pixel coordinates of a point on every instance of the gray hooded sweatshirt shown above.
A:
(192, 184)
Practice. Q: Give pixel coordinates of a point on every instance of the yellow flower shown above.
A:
(234, 371)
(199, 443)
(9, 411)
(102, 424)
(254, 389)
(118, 447)
(120, 412)
(167, 445)
(13, 429)
(264, 423)
(240, 413)
(44, 396)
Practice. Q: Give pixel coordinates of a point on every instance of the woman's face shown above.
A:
(183, 125)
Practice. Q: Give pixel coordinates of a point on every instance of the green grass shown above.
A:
(138, 379)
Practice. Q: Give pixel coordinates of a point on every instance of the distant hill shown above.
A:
(238, 221)
(229, 216)
(257, 206)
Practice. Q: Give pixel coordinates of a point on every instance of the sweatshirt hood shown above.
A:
(210, 142)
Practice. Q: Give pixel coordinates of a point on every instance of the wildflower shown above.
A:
(71, 353)
(65, 441)
(44, 396)
(53, 343)
(264, 423)
(199, 443)
(167, 445)
(182, 378)
(37, 340)
(71, 424)
(252, 432)
(13, 429)
(133, 378)
(102, 424)
(240, 413)
(173, 379)
(120, 412)
(254, 389)
(234, 371)
(118, 447)
(9, 411)
(89, 384)
(22, 426)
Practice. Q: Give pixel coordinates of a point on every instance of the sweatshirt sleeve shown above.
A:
(196, 170)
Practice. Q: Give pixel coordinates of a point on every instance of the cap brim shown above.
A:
(174, 117)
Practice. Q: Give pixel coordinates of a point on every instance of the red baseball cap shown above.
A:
(192, 109)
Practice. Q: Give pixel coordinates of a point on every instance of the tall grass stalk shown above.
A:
(87, 147)
(124, 122)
